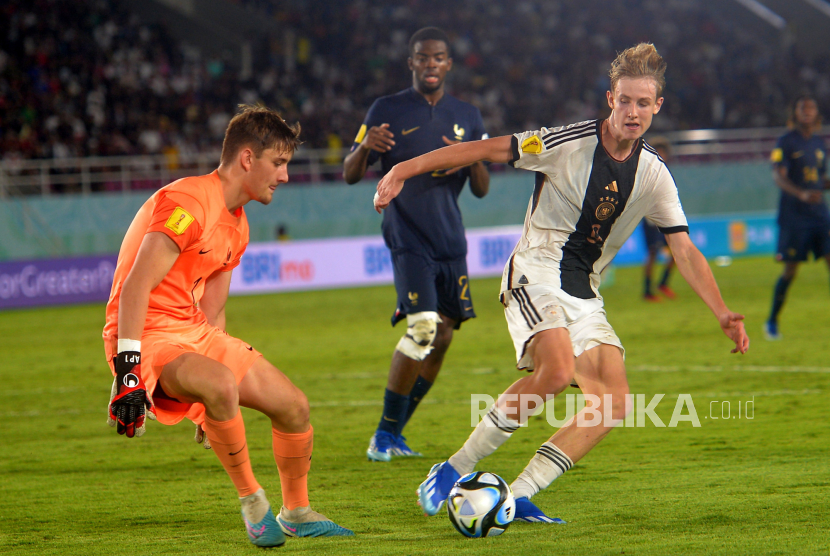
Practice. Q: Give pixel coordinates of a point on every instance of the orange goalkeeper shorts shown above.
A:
(160, 347)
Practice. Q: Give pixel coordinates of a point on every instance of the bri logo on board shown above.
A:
(495, 250)
(268, 267)
(377, 260)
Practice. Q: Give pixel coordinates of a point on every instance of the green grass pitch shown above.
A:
(70, 485)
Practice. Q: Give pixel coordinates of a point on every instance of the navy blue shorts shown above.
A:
(654, 237)
(795, 243)
(426, 285)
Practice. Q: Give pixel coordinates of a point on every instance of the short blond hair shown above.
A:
(259, 128)
(639, 61)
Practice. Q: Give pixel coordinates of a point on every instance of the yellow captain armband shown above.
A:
(776, 156)
(360, 134)
(532, 145)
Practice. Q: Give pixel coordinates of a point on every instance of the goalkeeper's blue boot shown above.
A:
(380, 446)
(305, 522)
(265, 532)
(400, 449)
(529, 512)
(434, 491)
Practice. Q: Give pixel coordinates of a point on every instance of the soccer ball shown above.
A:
(481, 505)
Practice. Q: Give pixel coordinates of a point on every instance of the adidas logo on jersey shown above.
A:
(612, 187)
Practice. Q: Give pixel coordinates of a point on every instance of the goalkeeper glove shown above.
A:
(201, 437)
(129, 399)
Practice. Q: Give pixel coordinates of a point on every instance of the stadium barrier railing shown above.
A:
(87, 175)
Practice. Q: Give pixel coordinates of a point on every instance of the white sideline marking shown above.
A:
(633, 368)
(379, 403)
(40, 391)
(36, 413)
(721, 369)
(347, 376)
(376, 403)
(761, 393)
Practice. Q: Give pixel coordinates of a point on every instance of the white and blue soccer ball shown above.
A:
(481, 504)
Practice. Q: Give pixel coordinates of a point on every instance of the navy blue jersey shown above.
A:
(806, 164)
(425, 217)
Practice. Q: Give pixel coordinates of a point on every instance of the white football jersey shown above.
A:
(584, 206)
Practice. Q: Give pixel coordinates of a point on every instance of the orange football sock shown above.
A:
(292, 452)
(227, 438)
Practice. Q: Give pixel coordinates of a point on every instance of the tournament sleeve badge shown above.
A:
(776, 156)
(179, 221)
(532, 145)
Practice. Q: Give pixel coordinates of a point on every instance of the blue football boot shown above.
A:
(380, 446)
(400, 449)
(305, 522)
(434, 491)
(529, 512)
(265, 532)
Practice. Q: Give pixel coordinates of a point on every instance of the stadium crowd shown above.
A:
(87, 77)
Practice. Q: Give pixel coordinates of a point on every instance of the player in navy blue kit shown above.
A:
(655, 240)
(422, 227)
(799, 169)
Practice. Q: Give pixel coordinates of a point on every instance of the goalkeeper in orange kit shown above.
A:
(165, 336)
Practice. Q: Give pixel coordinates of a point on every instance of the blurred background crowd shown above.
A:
(93, 77)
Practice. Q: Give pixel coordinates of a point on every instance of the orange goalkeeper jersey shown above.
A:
(191, 212)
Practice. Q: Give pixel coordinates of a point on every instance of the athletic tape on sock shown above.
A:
(548, 464)
(490, 433)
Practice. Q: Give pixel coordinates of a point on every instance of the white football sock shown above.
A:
(255, 506)
(490, 433)
(302, 514)
(546, 466)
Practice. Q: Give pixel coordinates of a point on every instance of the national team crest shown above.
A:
(605, 210)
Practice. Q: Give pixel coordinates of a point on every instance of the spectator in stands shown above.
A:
(107, 75)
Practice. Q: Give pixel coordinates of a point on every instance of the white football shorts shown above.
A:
(537, 307)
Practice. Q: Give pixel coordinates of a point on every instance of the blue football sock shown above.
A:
(665, 280)
(779, 297)
(647, 286)
(417, 394)
(394, 412)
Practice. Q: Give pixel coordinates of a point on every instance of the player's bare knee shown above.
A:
(221, 391)
(621, 406)
(550, 378)
(421, 330)
(294, 418)
(301, 410)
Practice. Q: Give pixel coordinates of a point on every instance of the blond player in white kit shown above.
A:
(595, 181)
